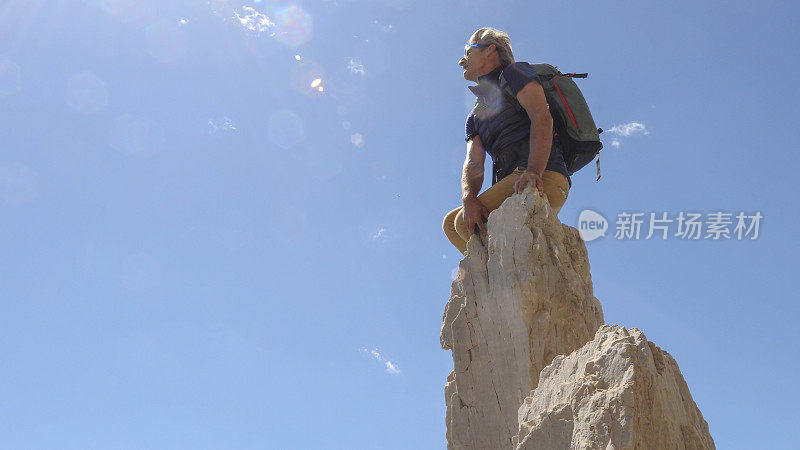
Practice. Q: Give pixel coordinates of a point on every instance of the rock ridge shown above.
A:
(521, 316)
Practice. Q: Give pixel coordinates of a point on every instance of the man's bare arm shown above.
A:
(475, 213)
(472, 178)
(532, 98)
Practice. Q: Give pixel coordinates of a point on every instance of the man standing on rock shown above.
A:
(519, 139)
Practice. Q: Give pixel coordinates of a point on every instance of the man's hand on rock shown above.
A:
(475, 214)
(532, 178)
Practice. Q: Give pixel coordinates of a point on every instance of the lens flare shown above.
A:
(307, 77)
(87, 93)
(293, 26)
(469, 101)
(357, 139)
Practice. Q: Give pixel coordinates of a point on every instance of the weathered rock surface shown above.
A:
(517, 303)
(534, 366)
(618, 391)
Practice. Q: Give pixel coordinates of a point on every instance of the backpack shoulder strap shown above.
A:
(506, 89)
(503, 84)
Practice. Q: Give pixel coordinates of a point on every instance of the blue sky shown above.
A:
(204, 250)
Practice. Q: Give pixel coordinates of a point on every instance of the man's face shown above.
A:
(474, 62)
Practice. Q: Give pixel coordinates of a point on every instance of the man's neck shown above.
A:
(487, 72)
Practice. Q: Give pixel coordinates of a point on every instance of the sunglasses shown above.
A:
(466, 50)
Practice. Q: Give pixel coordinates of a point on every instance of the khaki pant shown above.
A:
(556, 189)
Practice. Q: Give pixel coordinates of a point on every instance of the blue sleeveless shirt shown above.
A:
(503, 126)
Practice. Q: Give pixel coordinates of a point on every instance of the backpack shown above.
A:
(574, 125)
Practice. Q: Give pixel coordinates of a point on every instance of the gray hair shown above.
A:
(500, 40)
